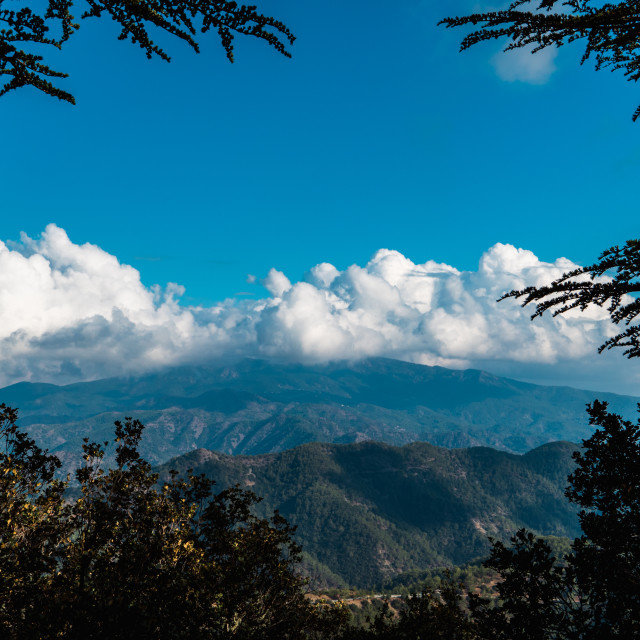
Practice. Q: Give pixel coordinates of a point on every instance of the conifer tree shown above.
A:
(606, 558)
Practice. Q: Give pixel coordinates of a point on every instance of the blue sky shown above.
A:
(376, 134)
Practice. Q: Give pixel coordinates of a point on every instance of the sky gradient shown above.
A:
(377, 134)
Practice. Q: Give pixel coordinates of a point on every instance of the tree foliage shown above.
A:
(125, 558)
(611, 31)
(26, 32)
(585, 286)
(437, 614)
(606, 558)
(538, 598)
(32, 535)
(593, 592)
(433, 613)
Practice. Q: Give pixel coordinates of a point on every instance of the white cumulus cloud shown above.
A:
(74, 312)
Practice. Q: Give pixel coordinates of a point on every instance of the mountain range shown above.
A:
(257, 407)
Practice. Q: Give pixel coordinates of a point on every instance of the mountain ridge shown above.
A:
(258, 406)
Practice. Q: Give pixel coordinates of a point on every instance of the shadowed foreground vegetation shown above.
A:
(131, 558)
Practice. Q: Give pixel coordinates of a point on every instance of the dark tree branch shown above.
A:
(611, 31)
(183, 19)
(582, 288)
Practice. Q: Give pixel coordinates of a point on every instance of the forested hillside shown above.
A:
(368, 511)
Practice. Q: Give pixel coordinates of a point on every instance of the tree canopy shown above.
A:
(24, 33)
(611, 31)
(594, 591)
(121, 557)
(609, 283)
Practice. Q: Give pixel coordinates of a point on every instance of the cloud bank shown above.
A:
(71, 312)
